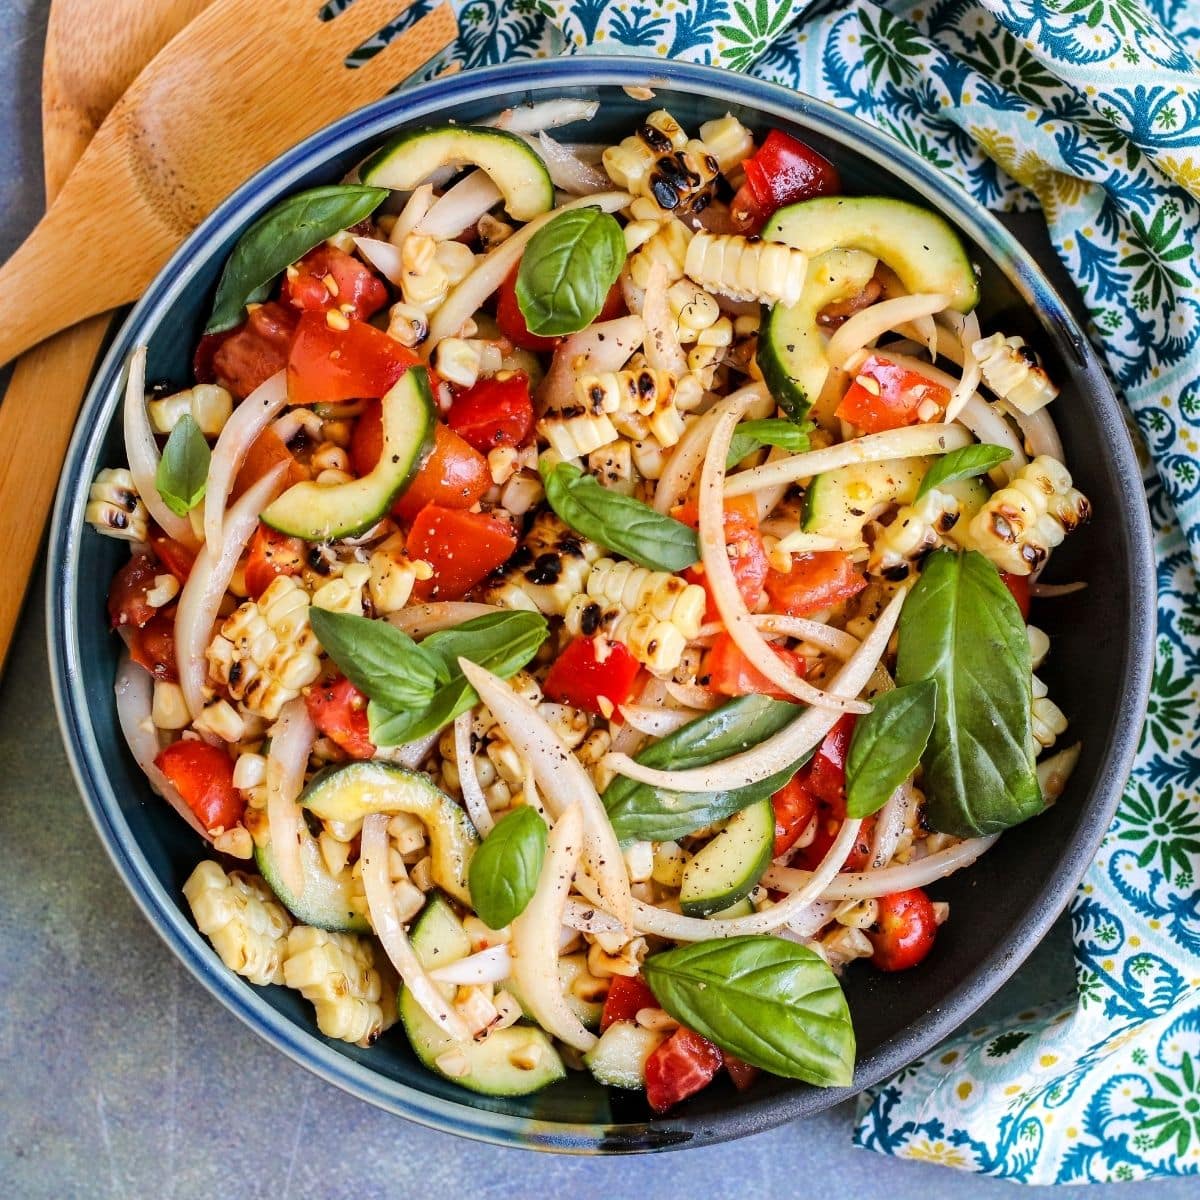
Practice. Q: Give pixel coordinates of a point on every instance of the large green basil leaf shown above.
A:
(279, 237)
(182, 475)
(887, 744)
(504, 871)
(963, 463)
(639, 812)
(622, 524)
(567, 270)
(772, 1003)
(770, 431)
(961, 627)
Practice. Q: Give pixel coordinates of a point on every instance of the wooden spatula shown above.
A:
(88, 65)
(240, 84)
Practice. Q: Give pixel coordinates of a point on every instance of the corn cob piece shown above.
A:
(336, 973)
(746, 269)
(1012, 370)
(660, 163)
(114, 507)
(916, 531)
(549, 568)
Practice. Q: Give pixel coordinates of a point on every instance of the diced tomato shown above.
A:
(680, 1067)
(271, 554)
(462, 547)
(904, 931)
(742, 1074)
(728, 672)
(267, 450)
(627, 996)
(203, 776)
(353, 283)
(894, 399)
(339, 710)
(795, 808)
(251, 354)
(511, 319)
(173, 555)
(826, 777)
(203, 368)
(127, 603)
(830, 819)
(816, 582)
(495, 412)
(153, 647)
(585, 678)
(747, 556)
(1019, 586)
(782, 171)
(327, 365)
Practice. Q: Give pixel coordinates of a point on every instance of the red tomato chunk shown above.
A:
(904, 931)
(683, 1065)
(339, 710)
(327, 278)
(495, 412)
(589, 677)
(463, 548)
(203, 776)
(782, 171)
(885, 396)
(627, 996)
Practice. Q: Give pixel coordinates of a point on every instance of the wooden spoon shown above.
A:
(88, 64)
(240, 84)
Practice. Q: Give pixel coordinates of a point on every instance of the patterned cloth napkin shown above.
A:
(1090, 110)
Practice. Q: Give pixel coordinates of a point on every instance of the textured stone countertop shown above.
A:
(120, 1076)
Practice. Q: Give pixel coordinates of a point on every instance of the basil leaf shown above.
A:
(772, 431)
(500, 642)
(961, 627)
(567, 270)
(887, 745)
(385, 664)
(622, 524)
(964, 463)
(640, 812)
(504, 871)
(770, 1002)
(182, 475)
(279, 237)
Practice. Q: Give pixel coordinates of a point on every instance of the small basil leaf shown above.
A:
(383, 663)
(772, 431)
(961, 627)
(639, 812)
(567, 270)
(182, 474)
(887, 745)
(504, 871)
(622, 524)
(772, 1003)
(964, 463)
(279, 237)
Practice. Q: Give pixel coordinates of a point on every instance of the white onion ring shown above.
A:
(606, 346)
(419, 202)
(493, 965)
(685, 460)
(657, 722)
(810, 922)
(890, 826)
(567, 170)
(420, 620)
(1048, 591)
(383, 256)
(468, 779)
(292, 738)
(1038, 430)
(545, 114)
(410, 754)
(460, 207)
(141, 451)
(968, 335)
(692, 696)
(661, 347)
(864, 327)
(241, 431)
(587, 918)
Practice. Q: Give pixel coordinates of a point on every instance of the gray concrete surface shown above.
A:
(120, 1077)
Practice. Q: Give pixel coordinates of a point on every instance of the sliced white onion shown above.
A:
(460, 207)
(567, 170)
(599, 348)
(911, 441)
(692, 696)
(562, 780)
(134, 688)
(768, 499)
(835, 641)
(633, 295)
(381, 905)
(545, 114)
(241, 431)
(657, 722)
(1038, 430)
(292, 738)
(141, 451)
(800, 541)
(492, 269)
(209, 579)
(587, 918)
(786, 746)
(468, 779)
(810, 922)
(383, 256)
(890, 825)
(868, 885)
(1053, 772)
(685, 460)
(967, 328)
(418, 620)
(864, 327)
(410, 754)
(661, 347)
(493, 965)
(535, 935)
(419, 202)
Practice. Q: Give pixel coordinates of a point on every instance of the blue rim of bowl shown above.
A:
(511, 84)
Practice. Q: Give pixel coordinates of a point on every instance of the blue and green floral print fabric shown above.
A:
(1090, 111)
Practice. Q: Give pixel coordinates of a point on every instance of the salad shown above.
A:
(582, 600)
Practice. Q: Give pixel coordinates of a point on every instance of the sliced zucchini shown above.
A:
(920, 246)
(726, 870)
(743, 908)
(355, 790)
(838, 504)
(321, 512)
(326, 902)
(412, 156)
(618, 1059)
(570, 969)
(508, 1062)
(791, 346)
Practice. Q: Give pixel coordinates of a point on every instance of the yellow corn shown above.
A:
(769, 272)
(114, 507)
(336, 973)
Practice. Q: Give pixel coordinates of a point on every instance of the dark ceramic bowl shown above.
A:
(1001, 907)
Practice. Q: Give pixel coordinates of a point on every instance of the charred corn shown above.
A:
(549, 568)
(1013, 371)
(917, 530)
(728, 141)
(661, 163)
(114, 507)
(336, 973)
(1049, 721)
(746, 269)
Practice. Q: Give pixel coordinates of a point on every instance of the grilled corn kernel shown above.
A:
(207, 404)
(492, 231)
(1039, 645)
(458, 360)
(114, 508)
(728, 141)
(222, 720)
(165, 589)
(249, 771)
(1012, 370)
(336, 973)
(639, 861)
(407, 324)
(917, 529)
(669, 245)
(345, 593)
(549, 569)
(235, 842)
(1049, 721)
(169, 709)
(768, 272)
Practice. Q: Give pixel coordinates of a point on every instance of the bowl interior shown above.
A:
(999, 908)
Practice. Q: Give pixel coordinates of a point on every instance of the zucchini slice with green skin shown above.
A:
(791, 346)
(920, 246)
(319, 513)
(495, 1066)
(838, 504)
(570, 968)
(355, 790)
(618, 1059)
(326, 902)
(518, 173)
(727, 869)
